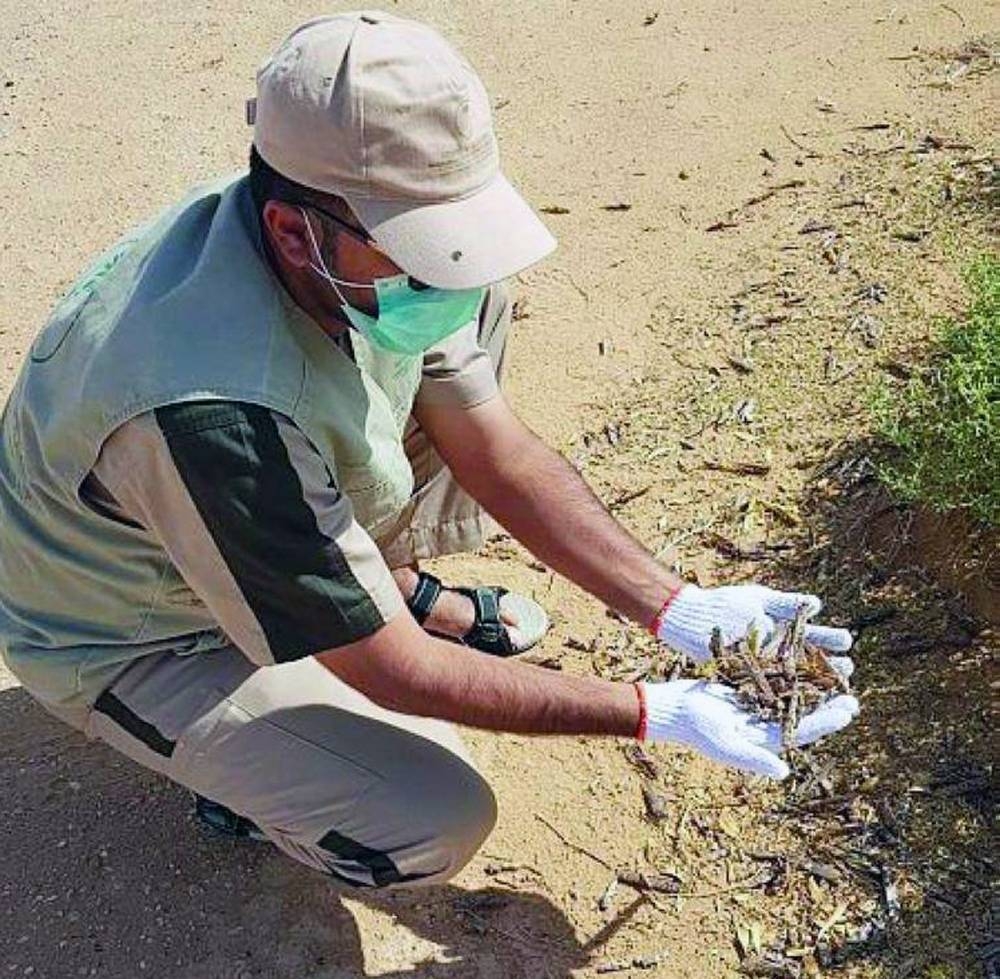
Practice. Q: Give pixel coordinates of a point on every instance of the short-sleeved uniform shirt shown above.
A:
(253, 519)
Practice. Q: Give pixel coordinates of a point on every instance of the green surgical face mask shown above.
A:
(409, 320)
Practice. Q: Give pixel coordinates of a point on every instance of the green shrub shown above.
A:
(943, 426)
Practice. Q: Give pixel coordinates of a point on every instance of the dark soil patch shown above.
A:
(961, 557)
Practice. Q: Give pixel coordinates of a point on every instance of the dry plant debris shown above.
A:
(872, 858)
(782, 680)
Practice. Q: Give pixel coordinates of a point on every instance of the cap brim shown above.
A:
(459, 244)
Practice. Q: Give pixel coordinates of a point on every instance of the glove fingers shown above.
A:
(782, 605)
(828, 719)
(844, 665)
(748, 757)
(831, 717)
(826, 637)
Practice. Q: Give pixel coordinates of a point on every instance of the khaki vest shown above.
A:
(183, 309)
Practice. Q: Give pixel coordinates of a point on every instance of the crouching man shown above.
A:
(245, 426)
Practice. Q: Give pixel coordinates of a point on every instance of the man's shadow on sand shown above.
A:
(104, 873)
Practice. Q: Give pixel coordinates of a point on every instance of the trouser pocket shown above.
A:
(163, 702)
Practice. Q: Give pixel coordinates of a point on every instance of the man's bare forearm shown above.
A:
(401, 668)
(545, 503)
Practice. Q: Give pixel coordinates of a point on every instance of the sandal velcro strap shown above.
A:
(488, 634)
(424, 596)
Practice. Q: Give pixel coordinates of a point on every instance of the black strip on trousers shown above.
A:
(383, 870)
(130, 721)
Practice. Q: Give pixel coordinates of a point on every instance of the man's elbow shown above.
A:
(385, 667)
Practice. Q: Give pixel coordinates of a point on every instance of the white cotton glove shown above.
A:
(694, 612)
(705, 716)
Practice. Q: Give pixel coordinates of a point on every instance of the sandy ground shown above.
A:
(110, 110)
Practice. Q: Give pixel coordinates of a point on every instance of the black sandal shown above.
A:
(223, 821)
(488, 633)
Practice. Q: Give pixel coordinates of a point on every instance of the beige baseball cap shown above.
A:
(383, 112)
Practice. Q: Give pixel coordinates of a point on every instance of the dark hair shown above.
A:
(266, 184)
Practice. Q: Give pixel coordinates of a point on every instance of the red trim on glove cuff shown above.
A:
(654, 626)
(640, 731)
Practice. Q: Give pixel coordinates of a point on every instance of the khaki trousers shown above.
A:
(369, 796)
(366, 795)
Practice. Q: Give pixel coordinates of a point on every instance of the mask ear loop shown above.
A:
(323, 271)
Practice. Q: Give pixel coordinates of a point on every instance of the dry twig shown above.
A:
(573, 846)
(781, 681)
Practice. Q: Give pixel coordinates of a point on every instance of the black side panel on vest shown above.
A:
(294, 578)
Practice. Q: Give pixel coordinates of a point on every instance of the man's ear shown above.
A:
(285, 227)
